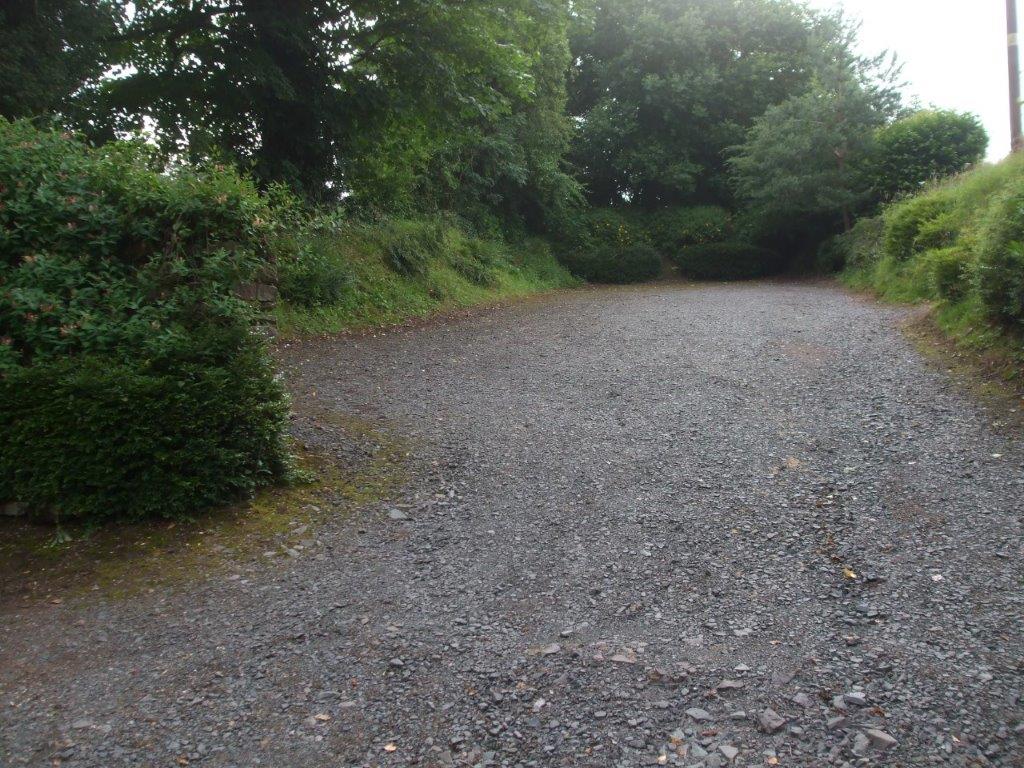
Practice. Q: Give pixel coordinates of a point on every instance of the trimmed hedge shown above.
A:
(131, 383)
(726, 261)
(97, 438)
(611, 264)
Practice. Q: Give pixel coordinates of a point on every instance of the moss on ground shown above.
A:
(44, 562)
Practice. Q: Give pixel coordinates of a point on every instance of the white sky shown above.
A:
(953, 53)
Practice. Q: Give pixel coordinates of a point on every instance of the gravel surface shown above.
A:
(725, 525)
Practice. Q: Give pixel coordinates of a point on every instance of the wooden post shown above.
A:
(1016, 140)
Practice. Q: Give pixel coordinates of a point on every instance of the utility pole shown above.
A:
(1016, 140)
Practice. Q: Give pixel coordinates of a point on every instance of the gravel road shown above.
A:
(700, 526)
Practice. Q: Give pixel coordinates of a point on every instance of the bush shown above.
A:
(110, 264)
(610, 264)
(940, 232)
(410, 245)
(904, 221)
(315, 275)
(596, 228)
(97, 438)
(478, 260)
(674, 228)
(950, 271)
(1000, 268)
(726, 261)
(861, 246)
(929, 144)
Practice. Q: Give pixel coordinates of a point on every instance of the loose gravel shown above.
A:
(699, 526)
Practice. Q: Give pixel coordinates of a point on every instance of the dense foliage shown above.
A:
(661, 87)
(49, 49)
(726, 261)
(922, 147)
(396, 105)
(114, 273)
(960, 244)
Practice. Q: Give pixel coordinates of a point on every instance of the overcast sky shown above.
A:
(953, 53)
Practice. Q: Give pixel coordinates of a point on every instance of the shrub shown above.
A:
(1000, 268)
(97, 438)
(477, 260)
(674, 228)
(410, 245)
(904, 221)
(831, 257)
(109, 264)
(315, 275)
(862, 244)
(929, 144)
(940, 232)
(609, 264)
(726, 261)
(950, 271)
(599, 227)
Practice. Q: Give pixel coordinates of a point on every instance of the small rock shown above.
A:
(802, 699)
(861, 745)
(770, 720)
(730, 685)
(729, 751)
(550, 650)
(856, 699)
(880, 740)
(698, 714)
(834, 723)
(397, 514)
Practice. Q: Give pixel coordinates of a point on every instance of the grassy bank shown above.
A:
(385, 272)
(957, 246)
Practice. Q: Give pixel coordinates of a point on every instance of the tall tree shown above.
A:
(662, 87)
(332, 97)
(805, 156)
(49, 49)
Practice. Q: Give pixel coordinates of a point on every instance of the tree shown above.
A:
(49, 49)
(924, 146)
(337, 99)
(804, 157)
(662, 87)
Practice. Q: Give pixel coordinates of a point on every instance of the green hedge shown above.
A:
(117, 307)
(726, 261)
(673, 228)
(96, 438)
(612, 264)
(950, 271)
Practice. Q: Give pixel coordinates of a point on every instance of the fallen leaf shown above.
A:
(390, 747)
(849, 573)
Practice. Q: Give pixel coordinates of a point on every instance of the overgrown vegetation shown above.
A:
(958, 244)
(394, 269)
